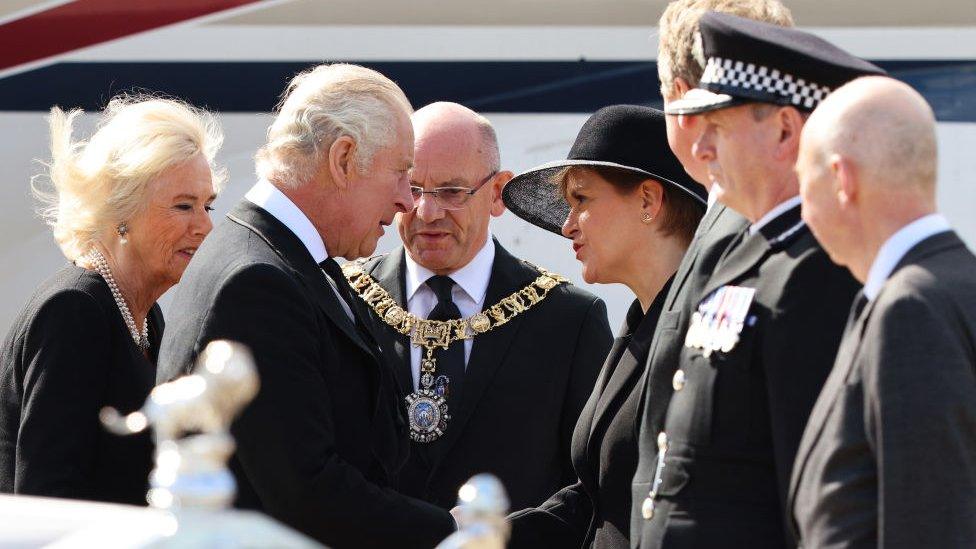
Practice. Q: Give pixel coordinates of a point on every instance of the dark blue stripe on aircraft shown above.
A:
(489, 86)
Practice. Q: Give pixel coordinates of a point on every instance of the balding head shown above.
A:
(884, 127)
(472, 134)
(867, 167)
(454, 147)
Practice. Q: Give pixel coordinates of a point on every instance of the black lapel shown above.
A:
(691, 256)
(390, 273)
(745, 255)
(508, 275)
(293, 252)
(746, 251)
(847, 353)
(581, 444)
(630, 361)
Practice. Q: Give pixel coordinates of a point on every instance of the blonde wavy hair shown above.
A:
(92, 185)
(321, 105)
(680, 52)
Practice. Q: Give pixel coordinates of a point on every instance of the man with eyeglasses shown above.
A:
(503, 391)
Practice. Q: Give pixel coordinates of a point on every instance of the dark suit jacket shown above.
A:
(888, 458)
(715, 232)
(595, 510)
(320, 445)
(68, 354)
(524, 387)
(734, 427)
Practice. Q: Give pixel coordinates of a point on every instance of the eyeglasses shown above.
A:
(449, 198)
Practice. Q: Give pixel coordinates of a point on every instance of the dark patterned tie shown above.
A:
(450, 361)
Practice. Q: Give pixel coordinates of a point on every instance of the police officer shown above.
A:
(767, 326)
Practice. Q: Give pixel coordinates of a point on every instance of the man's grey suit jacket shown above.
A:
(888, 457)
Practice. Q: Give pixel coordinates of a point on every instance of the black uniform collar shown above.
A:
(783, 227)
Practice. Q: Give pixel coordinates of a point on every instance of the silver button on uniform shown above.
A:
(678, 381)
(647, 507)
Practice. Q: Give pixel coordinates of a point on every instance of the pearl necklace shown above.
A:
(98, 261)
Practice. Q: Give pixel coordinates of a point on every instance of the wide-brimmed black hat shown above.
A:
(627, 137)
(753, 61)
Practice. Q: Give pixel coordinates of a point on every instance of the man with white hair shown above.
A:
(321, 444)
(888, 458)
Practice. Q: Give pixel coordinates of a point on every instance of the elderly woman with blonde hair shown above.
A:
(128, 208)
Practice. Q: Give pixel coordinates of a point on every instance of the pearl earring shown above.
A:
(123, 231)
(646, 217)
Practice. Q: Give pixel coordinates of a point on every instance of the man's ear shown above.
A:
(342, 161)
(845, 181)
(497, 184)
(790, 123)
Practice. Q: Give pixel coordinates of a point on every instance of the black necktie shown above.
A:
(332, 268)
(334, 271)
(450, 361)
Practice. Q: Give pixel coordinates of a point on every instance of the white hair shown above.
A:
(97, 184)
(322, 105)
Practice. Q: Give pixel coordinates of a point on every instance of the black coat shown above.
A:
(68, 354)
(734, 426)
(524, 387)
(320, 445)
(715, 232)
(888, 458)
(595, 510)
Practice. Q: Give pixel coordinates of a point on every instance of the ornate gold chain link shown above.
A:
(441, 333)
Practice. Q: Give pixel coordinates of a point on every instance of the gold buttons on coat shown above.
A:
(662, 441)
(678, 381)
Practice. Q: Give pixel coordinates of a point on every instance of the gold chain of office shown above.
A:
(441, 333)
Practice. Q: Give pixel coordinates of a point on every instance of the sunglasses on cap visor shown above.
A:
(449, 198)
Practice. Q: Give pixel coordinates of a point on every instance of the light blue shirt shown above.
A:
(895, 248)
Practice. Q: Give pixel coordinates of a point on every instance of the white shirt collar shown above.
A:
(712, 198)
(895, 248)
(272, 200)
(777, 211)
(472, 278)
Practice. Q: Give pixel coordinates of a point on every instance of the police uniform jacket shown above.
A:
(735, 420)
(717, 229)
(888, 458)
(524, 386)
(320, 445)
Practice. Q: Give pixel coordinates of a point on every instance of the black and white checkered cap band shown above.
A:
(732, 75)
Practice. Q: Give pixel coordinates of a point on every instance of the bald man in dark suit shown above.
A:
(888, 458)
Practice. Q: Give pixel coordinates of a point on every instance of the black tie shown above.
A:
(334, 271)
(450, 361)
(332, 268)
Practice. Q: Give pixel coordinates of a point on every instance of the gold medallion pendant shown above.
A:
(426, 407)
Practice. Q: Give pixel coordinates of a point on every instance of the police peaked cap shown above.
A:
(750, 61)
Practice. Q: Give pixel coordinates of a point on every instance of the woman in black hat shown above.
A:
(630, 209)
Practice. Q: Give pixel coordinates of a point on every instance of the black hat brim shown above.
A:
(533, 195)
(699, 100)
